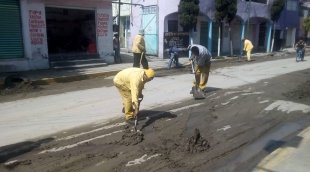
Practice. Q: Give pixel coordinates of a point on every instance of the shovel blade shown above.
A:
(198, 93)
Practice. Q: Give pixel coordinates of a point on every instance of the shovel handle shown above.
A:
(141, 58)
(193, 70)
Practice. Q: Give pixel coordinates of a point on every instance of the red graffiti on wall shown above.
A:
(36, 23)
(102, 24)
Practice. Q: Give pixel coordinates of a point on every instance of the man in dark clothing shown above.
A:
(174, 55)
(301, 46)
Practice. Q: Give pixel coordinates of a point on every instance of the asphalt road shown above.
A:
(245, 116)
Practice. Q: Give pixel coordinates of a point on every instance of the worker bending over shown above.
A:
(130, 83)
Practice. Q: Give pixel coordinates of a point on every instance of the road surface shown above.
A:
(247, 111)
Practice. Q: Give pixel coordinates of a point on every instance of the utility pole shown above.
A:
(119, 25)
(249, 14)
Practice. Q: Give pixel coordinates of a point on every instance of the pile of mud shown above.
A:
(23, 87)
(196, 143)
(130, 137)
(301, 93)
(193, 145)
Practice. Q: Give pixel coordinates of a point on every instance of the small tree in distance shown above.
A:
(275, 14)
(306, 24)
(188, 11)
(225, 9)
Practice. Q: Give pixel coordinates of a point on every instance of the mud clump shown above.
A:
(197, 143)
(23, 87)
(130, 137)
(302, 92)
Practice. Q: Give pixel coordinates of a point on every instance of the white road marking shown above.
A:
(92, 131)
(234, 98)
(185, 107)
(11, 162)
(254, 93)
(212, 95)
(100, 163)
(225, 128)
(265, 101)
(100, 124)
(287, 106)
(233, 92)
(225, 103)
(141, 160)
(110, 77)
(79, 143)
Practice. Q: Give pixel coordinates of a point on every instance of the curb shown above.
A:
(66, 79)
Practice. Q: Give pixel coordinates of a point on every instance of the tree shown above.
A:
(275, 14)
(188, 11)
(306, 24)
(225, 9)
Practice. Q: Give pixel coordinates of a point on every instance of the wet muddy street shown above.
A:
(231, 130)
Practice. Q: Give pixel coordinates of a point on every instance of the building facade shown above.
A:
(160, 21)
(124, 18)
(42, 29)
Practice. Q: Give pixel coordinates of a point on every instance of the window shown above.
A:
(187, 30)
(173, 26)
(259, 1)
(150, 10)
(292, 5)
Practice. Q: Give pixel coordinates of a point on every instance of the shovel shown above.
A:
(239, 57)
(141, 59)
(197, 92)
(136, 118)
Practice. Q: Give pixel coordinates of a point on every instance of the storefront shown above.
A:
(54, 28)
(11, 39)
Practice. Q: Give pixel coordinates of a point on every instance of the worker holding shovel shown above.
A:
(130, 83)
(138, 50)
(202, 58)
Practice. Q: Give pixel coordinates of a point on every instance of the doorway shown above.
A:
(70, 31)
(204, 33)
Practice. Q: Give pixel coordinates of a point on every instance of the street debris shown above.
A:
(197, 143)
(301, 93)
(130, 138)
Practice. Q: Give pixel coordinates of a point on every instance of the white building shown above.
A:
(33, 32)
(159, 18)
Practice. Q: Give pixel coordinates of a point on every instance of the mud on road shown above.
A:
(215, 134)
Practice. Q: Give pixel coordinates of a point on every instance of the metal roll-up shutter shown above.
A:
(11, 41)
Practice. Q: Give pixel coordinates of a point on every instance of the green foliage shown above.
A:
(188, 12)
(225, 9)
(276, 9)
(306, 23)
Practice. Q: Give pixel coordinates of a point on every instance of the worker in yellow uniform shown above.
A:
(248, 47)
(130, 83)
(139, 50)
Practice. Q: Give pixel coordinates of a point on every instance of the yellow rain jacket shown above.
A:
(130, 80)
(138, 44)
(248, 45)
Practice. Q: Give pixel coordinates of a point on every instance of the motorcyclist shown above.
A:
(301, 46)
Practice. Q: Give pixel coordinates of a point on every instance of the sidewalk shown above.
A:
(292, 156)
(44, 77)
